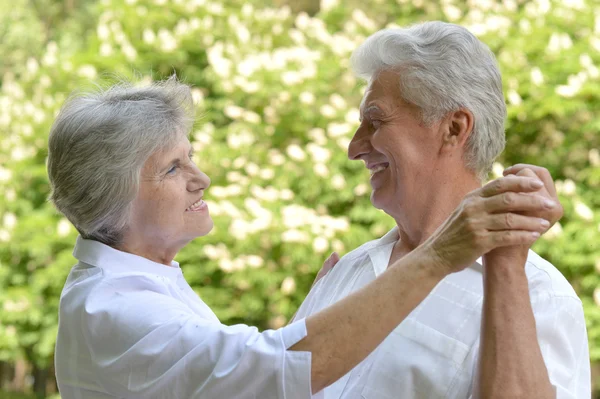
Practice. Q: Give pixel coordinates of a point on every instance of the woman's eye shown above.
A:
(172, 170)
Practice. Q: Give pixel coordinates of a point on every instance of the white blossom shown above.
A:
(288, 286)
(514, 98)
(319, 154)
(10, 220)
(4, 235)
(537, 78)
(106, 50)
(129, 51)
(254, 261)
(233, 111)
(148, 36)
(360, 189)
(497, 170)
(338, 129)
(295, 152)
(327, 5)
(307, 97)
(294, 235)
(87, 71)
(320, 245)
(597, 296)
(583, 211)
(167, 41)
(352, 116)
(286, 194)
(338, 182)
(594, 157)
(337, 101)
(32, 66)
(452, 12)
(252, 169)
(267, 173)
(63, 228)
(276, 158)
(321, 170)
(327, 111)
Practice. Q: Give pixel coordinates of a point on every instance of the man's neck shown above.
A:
(419, 222)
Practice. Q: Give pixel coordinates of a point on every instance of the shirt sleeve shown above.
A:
(146, 344)
(563, 341)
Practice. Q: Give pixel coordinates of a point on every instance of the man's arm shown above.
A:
(510, 360)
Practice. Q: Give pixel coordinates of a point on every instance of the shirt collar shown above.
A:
(101, 255)
(381, 251)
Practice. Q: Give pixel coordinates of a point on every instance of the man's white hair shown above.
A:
(99, 144)
(443, 67)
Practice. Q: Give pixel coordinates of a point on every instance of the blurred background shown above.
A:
(277, 106)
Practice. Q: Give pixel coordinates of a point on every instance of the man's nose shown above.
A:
(360, 145)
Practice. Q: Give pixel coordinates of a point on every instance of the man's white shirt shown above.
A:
(434, 352)
(132, 328)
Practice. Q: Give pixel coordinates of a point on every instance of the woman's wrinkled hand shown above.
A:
(493, 216)
(327, 266)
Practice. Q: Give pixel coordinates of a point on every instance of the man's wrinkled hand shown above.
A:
(518, 254)
(549, 191)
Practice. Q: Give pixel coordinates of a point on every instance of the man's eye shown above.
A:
(172, 170)
(375, 123)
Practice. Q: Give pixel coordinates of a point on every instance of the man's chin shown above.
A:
(377, 201)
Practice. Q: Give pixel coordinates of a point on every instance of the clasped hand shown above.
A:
(512, 211)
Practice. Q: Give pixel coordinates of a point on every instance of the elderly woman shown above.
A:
(130, 326)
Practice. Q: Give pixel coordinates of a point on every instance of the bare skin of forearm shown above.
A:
(342, 335)
(510, 359)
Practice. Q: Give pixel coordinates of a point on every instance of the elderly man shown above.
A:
(510, 325)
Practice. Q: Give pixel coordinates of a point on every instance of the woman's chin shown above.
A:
(206, 228)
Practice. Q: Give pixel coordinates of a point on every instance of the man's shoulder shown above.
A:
(364, 249)
(546, 280)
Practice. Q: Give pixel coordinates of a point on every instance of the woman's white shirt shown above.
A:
(133, 328)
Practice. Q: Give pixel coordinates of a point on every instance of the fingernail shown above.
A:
(535, 234)
(544, 223)
(536, 184)
(549, 204)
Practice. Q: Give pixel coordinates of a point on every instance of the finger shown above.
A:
(510, 183)
(330, 262)
(517, 202)
(527, 173)
(542, 173)
(511, 237)
(515, 221)
(335, 258)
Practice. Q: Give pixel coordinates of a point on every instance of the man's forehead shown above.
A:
(382, 92)
(371, 102)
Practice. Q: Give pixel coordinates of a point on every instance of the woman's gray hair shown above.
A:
(443, 67)
(99, 144)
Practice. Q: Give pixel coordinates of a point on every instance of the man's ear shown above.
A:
(457, 129)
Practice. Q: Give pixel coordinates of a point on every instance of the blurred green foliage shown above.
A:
(277, 106)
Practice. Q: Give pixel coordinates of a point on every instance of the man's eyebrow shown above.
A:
(368, 109)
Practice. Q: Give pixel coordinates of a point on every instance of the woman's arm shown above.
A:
(342, 335)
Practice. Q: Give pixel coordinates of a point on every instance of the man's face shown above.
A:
(399, 150)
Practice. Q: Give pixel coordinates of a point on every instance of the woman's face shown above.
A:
(168, 211)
